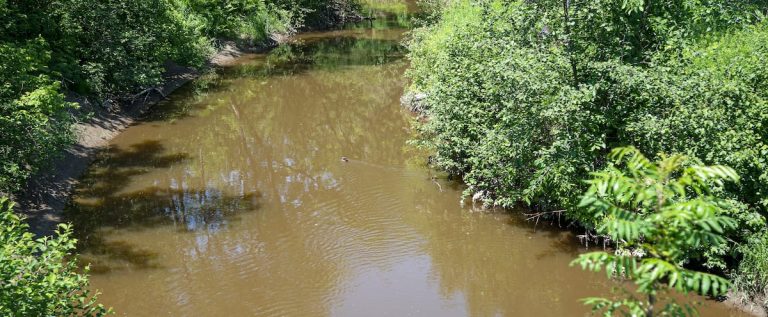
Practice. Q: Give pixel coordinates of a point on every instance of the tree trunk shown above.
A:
(651, 301)
(568, 44)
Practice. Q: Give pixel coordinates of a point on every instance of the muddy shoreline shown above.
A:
(741, 301)
(47, 193)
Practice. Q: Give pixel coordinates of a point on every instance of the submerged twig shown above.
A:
(434, 180)
(146, 93)
(589, 236)
(538, 215)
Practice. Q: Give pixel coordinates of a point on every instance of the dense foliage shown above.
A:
(526, 98)
(751, 277)
(34, 122)
(660, 216)
(110, 49)
(40, 277)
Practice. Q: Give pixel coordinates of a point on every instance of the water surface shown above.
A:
(231, 199)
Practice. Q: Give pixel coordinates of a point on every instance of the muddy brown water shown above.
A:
(232, 199)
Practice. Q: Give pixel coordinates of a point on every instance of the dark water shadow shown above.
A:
(327, 54)
(102, 205)
(179, 104)
(558, 229)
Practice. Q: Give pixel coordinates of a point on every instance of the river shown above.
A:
(232, 199)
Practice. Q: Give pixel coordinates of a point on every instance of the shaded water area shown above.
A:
(231, 199)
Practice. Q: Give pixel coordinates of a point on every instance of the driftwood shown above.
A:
(147, 92)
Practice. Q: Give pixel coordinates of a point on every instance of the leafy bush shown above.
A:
(751, 278)
(120, 45)
(34, 122)
(39, 277)
(502, 112)
(253, 19)
(660, 215)
(525, 98)
(109, 49)
(524, 103)
(112, 47)
(711, 103)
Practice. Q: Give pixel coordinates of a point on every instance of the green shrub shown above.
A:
(39, 277)
(253, 19)
(711, 103)
(502, 112)
(751, 278)
(34, 119)
(113, 47)
(660, 215)
(524, 103)
(120, 45)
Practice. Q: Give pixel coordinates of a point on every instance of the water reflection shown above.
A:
(231, 199)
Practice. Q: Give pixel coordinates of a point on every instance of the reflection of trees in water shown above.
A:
(496, 267)
(388, 14)
(202, 259)
(266, 269)
(283, 135)
(254, 131)
(102, 201)
(328, 54)
(265, 133)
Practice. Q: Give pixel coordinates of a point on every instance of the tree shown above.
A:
(660, 215)
(40, 277)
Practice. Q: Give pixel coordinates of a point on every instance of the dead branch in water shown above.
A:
(434, 180)
(589, 236)
(147, 92)
(538, 215)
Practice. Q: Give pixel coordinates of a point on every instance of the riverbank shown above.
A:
(739, 300)
(110, 52)
(47, 192)
(416, 103)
